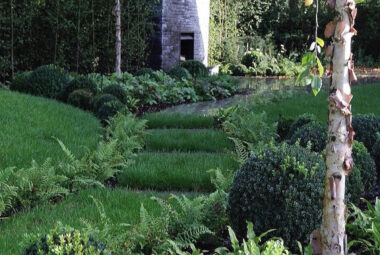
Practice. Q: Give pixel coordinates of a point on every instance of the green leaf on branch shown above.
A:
(302, 76)
(320, 42)
(320, 68)
(316, 85)
(308, 59)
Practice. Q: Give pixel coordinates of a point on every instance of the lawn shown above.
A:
(28, 124)
(165, 120)
(185, 140)
(175, 171)
(366, 100)
(121, 206)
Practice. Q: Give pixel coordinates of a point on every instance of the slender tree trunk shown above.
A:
(12, 42)
(118, 37)
(78, 34)
(332, 240)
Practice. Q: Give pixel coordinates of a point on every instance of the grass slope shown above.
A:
(366, 100)
(121, 206)
(166, 140)
(175, 171)
(27, 125)
(165, 120)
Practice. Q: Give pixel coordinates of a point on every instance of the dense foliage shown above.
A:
(64, 240)
(279, 188)
(271, 26)
(77, 35)
(366, 127)
(314, 133)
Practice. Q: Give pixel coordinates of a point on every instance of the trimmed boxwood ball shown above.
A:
(20, 82)
(280, 189)
(366, 127)
(283, 126)
(363, 176)
(100, 99)
(117, 91)
(81, 82)
(313, 132)
(81, 98)
(364, 162)
(238, 70)
(180, 73)
(376, 155)
(251, 59)
(109, 109)
(48, 81)
(299, 122)
(196, 68)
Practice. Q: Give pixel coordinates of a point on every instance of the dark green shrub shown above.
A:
(366, 165)
(366, 127)
(363, 176)
(180, 73)
(251, 58)
(313, 132)
(238, 70)
(80, 82)
(81, 98)
(299, 122)
(66, 241)
(48, 81)
(147, 71)
(100, 99)
(279, 188)
(20, 82)
(109, 109)
(196, 68)
(376, 155)
(117, 91)
(283, 126)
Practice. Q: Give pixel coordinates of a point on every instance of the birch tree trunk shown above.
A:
(118, 37)
(331, 239)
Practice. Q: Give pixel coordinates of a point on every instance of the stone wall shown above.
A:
(184, 16)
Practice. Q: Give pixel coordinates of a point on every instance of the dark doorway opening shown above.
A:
(187, 46)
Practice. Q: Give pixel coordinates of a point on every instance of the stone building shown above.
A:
(182, 33)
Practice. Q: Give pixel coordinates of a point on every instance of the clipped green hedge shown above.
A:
(279, 188)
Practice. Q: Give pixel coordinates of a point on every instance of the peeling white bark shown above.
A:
(340, 136)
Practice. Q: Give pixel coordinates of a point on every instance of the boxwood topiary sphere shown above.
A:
(251, 58)
(279, 189)
(376, 155)
(180, 73)
(48, 81)
(366, 165)
(313, 132)
(366, 127)
(196, 68)
(81, 82)
(299, 122)
(109, 109)
(117, 91)
(283, 125)
(100, 99)
(20, 82)
(81, 98)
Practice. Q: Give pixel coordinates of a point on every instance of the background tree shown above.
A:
(118, 37)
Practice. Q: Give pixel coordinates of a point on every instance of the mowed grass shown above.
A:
(366, 100)
(121, 206)
(206, 140)
(27, 125)
(175, 171)
(165, 120)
